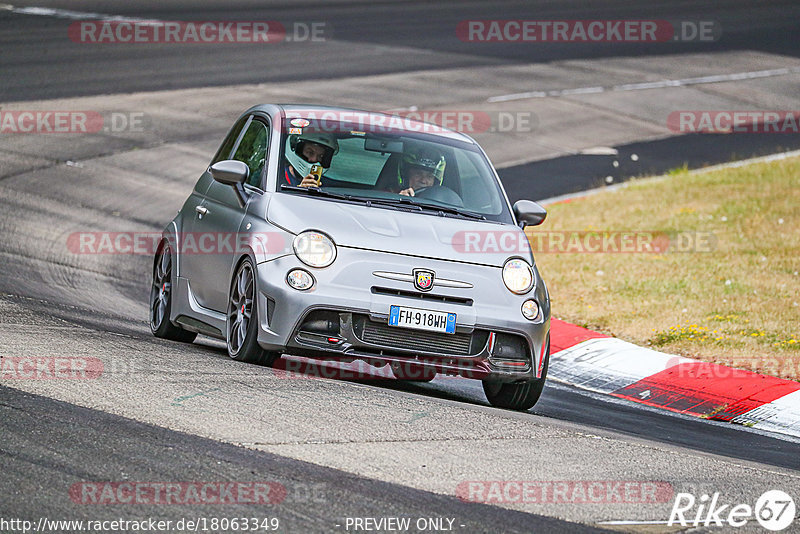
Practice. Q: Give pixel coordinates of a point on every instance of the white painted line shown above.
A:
(743, 162)
(73, 15)
(518, 96)
(681, 82)
(586, 193)
(676, 524)
(731, 165)
(581, 91)
(633, 522)
(600, 151)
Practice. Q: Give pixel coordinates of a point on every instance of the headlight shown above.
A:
(530, 309)
(314, 249)
(299, 279)
(517, 276)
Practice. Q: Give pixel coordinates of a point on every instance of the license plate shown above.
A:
(430, 320)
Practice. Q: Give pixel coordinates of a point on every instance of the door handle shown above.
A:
(202, 210)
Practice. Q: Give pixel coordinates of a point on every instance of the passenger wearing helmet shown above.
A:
(304, 150)
(420, 168)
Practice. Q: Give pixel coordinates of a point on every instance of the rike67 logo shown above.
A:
(774, 510)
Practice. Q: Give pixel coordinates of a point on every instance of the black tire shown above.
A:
(241, 325)
(161, 300)
(412, 372)
(517, 396)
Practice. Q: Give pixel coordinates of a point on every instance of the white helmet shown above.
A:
(294, 150)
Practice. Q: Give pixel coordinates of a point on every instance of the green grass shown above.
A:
(736, 302)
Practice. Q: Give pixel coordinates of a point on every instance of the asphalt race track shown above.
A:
(345, 449)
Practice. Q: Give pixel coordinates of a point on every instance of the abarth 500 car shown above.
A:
(332, 233)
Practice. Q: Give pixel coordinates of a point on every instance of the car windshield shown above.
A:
(391, 168)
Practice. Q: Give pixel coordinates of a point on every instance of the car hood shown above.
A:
(388, 230)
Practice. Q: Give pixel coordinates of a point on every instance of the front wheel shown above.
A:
(161, 301)
(517, 396)
(242, 320)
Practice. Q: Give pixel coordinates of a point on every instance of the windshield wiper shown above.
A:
(400, 203)
(318, 192)
(456, 211)
(406, 203)
(436, 207)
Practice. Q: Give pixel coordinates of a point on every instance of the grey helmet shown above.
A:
(294, 150)
(422, 156)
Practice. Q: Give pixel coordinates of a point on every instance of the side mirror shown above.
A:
(230, 172)
(529, 213)
(233, 173)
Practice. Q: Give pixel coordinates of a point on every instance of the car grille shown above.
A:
(393, 337)
(421, 296)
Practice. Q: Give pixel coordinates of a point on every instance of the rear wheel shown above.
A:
(517, 396)
(161, 301)
(242, 319)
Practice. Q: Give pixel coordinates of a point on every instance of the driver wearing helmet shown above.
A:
(420, 168)
(304, 150)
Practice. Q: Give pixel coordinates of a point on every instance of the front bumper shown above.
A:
(345, 315)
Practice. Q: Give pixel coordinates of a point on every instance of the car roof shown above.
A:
(400, 120)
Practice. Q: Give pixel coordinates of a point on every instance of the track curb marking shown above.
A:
(684, 385)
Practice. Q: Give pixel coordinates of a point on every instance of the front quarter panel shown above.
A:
(263, 240)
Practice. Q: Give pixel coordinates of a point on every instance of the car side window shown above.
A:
(225, 149)
(474, 184)
(252, 150)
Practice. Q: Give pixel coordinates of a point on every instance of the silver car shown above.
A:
(333, 233)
